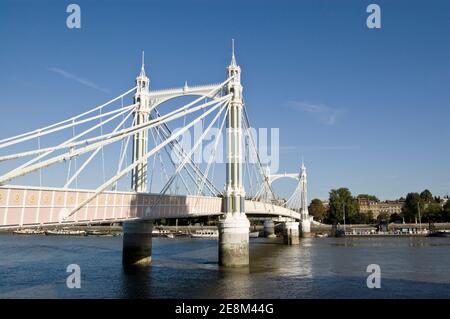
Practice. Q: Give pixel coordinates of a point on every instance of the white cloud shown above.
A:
(323, 113)
(300, 149)
(80, 80)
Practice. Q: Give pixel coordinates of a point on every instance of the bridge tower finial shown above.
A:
(233, 57)
(143, 65)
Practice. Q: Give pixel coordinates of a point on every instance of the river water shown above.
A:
(411, 267)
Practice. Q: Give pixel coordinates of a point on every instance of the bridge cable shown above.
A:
(106, 139)
(200, 140)
(125, 171)
(103, 152)
(66, 144)
(40, 170)
(166, 131)
(171, 160)
(195, 145)
(212, 158)
(57, 129)
(95, 152)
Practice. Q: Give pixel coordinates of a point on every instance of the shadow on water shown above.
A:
(136, 282)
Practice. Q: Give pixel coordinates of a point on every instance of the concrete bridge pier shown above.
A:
(291, 233)
(233, 240)
(306, 227)
(137, 243)
(269, 228)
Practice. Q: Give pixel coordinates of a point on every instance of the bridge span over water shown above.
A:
(148, 126)
(22, 206)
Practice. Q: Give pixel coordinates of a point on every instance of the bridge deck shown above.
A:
(28, 206)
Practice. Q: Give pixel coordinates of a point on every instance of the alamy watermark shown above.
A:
(374, 19)
(260, 145)
(74, 279)
(374, 279)
(73, 21)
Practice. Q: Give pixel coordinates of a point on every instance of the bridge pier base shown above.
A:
(306, 227)
(137, 243)
(269, 228)
(233, 240)
(291, 234)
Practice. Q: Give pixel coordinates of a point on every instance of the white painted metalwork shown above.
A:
(225, 97)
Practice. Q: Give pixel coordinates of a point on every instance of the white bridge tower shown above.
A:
(305, 220)
(234, 228)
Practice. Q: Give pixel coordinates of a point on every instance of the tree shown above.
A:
(395, 218)
(411, 207)
(317, 209)
(433, 213)
(369, 217)
(383, 217)
(372, 198)
(426, 196)
(446, 212)
(342, 200)
(447, 206)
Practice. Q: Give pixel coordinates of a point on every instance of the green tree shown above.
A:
(426, 196)
(383, 217)
(342, 200)
(369, 197)
(446, 212)
(395, 218)
(317, 209)
(447, 206)
(369, 217)
(411, 207)
(433, 213)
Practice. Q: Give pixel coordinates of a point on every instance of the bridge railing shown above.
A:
(34, 206)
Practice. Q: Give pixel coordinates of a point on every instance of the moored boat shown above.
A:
(66, 232)
(253, 234)
(439, 233)
(100, 233)
(160, 232)
(28, 231)
(205, 233)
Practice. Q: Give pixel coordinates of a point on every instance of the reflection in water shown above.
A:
(136, 282)
(234, 283)
(32, 267)
(275, 257)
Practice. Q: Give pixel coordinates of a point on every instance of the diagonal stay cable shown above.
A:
(43, 129)
(185, 160)
(66, 144)
(88, 160)
(118, 176)
(112, 137)
(166, 131)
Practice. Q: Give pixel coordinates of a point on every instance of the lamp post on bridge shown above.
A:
(234, 228)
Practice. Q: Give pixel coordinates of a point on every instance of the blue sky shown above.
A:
(367, 109)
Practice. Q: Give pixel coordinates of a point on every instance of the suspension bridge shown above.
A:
(162, 180)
